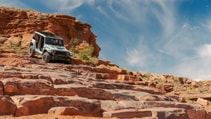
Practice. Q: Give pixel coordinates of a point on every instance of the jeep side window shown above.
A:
(41, 43)
(48, 41)
(36, 37)
(52, 41)
(58, 42)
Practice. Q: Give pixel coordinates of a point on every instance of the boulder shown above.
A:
(197, 114)
(38, 104)
(202, 101)
(86, 106)
(11, 88)
(32, 105)
(7, 106)
(26, 86)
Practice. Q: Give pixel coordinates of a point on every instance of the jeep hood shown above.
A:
(55, 47)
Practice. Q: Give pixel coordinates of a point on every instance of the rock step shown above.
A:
(114, 85)
(196, 96)
(128, 113)
(36, 104)
(15, 86)
(85, 71)
(156, 113)
(109, 105)
(19, 75)
(24, 105)
(166, 111)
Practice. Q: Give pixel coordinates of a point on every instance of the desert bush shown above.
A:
(147, 77)
(86, 53)
(41, 17)
(83, 52)
(159, 81)
(176, 83)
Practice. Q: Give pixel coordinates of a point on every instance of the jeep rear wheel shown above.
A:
(31, 51)
(46, 57)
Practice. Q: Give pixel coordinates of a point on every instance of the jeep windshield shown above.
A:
(53, 41)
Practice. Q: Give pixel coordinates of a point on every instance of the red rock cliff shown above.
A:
(18, 22)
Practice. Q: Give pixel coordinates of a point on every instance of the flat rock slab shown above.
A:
(119, 105)
(196, 96)
(128, 114)
(38, 104)
(69, 111)
(15, 86)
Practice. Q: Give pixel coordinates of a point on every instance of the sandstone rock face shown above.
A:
(208, 114)
(65, 111)
(1, 88)
(8, 107)
(77, 90)
(32, 105)
(39, 104)
(17, 23)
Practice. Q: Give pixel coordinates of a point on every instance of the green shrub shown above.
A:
(41, 17)
(147, 77)
(84, 57)
(159, 81)
(86, 53)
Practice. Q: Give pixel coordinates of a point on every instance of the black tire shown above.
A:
(46, 57)
(31, 51)
(67, 62)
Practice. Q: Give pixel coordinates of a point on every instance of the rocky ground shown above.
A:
(30, 88)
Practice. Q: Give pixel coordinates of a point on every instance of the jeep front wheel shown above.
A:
(46, 57)
(31, 51)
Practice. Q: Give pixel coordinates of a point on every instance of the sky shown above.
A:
(158, 36)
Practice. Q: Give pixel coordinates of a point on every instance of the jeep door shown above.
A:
(39, 43)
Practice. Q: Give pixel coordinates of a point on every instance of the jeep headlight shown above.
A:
(52, 51)
(68, 54)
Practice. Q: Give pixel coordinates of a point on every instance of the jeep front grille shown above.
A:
(60, 53)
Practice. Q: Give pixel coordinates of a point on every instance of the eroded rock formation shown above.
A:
(20, 24)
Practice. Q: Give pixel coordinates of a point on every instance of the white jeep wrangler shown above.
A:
(50, 46)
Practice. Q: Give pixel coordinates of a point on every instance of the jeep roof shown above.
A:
(47, 34)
